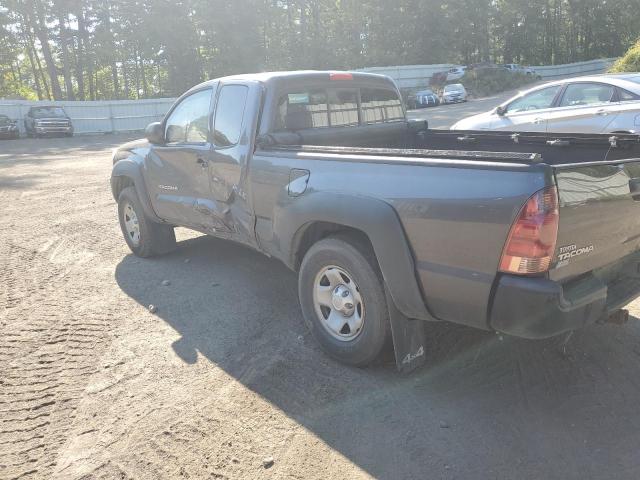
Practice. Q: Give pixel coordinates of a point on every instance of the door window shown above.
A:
(189, 121)
(535, 100)
(581, 94)
(627, 96)
(229, 114)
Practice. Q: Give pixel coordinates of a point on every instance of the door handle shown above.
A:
(538, 120)
(202, 162)
(602, 113)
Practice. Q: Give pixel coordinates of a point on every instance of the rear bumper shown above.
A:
(540, 308)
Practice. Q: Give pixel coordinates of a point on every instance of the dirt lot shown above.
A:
(225, 374)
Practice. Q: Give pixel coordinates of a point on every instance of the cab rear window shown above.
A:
(337, 107)
(381, 106)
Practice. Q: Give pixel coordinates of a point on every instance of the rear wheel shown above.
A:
(144, 237)
(343, 301)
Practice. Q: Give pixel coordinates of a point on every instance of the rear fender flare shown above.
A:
(376, 219)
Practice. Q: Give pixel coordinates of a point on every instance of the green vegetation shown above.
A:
(489, 81)
(100, 49)
(630, 62)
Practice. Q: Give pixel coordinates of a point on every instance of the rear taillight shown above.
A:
(532, 239)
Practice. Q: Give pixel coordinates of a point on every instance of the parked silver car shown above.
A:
(456, 73)
(591, 104)
(454, 93)
(517, 68)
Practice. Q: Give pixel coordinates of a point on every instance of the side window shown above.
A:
(580, 94)
(300, 110)
(229, 114)
(626, 96)
(343, 107)
(535, 100)
(189, 121)
(380, 106)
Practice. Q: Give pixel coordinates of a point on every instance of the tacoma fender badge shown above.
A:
(570, 251)
(168, 187)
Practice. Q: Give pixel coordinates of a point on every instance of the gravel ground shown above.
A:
(224, 381)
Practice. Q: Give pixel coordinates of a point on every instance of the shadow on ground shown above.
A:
(484, 407)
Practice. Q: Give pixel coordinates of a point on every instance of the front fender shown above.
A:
(378, 220)
(132, 170)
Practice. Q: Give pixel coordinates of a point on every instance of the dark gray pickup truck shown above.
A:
(390, 224)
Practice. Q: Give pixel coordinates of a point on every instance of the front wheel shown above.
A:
(144, 237)
(343, 302)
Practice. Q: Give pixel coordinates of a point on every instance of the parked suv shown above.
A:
(47, 120)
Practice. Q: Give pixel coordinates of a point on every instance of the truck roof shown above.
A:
(278, 79)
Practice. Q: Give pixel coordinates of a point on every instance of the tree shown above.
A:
(630, 62)
(102, 49)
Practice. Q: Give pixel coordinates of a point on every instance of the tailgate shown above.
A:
(599, 216)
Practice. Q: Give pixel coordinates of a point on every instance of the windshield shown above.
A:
(456, 87)
(46, 112)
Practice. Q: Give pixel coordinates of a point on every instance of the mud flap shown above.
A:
(408, 338)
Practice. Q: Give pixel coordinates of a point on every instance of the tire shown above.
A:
(346, 256)
(152, 238)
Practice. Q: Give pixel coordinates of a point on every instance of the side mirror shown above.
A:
(154, 133)
(501, 110)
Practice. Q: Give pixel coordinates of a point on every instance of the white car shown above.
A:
(456, 73)
(454, 93)
(514, 67)
(593, 104)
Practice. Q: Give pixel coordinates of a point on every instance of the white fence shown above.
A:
(413, 76)
(410, 76)
(99, 116)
